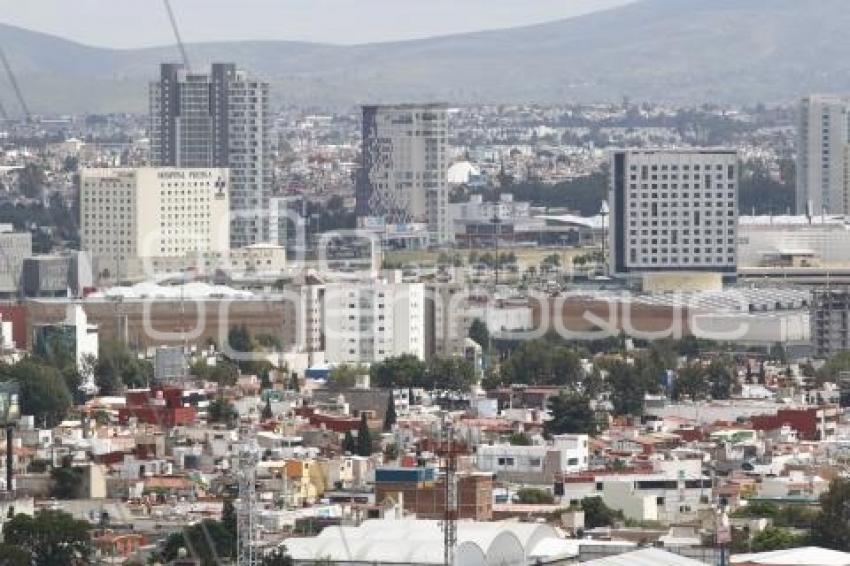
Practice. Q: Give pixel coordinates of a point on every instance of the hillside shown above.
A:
(662, 50)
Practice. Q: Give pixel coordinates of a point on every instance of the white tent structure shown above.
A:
(801, 556)
(645, 557)
(414, 541)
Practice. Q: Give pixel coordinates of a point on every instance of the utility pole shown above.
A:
(246, 512)
(450, 512)
(496, 233)
(603, 212)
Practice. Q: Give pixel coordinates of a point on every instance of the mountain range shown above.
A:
(682, 51)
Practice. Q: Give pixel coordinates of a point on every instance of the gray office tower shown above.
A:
(218, 119)
(403, 176)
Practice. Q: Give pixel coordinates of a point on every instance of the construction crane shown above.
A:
(246, 511)
(15, 86)
(177, 37)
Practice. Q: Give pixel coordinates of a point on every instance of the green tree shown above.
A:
(691, 382)
(629, 383)
(583, 194)
(44, 393)
(597, 514)
(542, 362)
(222, 411)
(777, 352)
(451, 374)
(240, 341)
(206, 542)
(364, 437)
(349, 444)
(402, 371)
(344, 376)
(229, 521)
(661, 356)
(58, 351)
(278, 557)
(11, 555)
(759, 191)
(269, 341)
(592, 386)
(831, 528)
(757, 509)
(534, 496)
(721, 379)
(480, 334)
(50, 537)
(519, 439)
(32, 180)
(775, 538)
(224, 372)
(834, 366)
(391, 452)
(390, 417)
(66, 480)
(571, 414)
(267, 410)
(117, 367)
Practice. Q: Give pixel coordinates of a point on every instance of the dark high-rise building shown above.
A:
(218, 119)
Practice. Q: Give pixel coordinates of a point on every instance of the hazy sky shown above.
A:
(136, 23)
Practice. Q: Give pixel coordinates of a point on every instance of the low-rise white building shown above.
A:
(675, 491)
(540, 464)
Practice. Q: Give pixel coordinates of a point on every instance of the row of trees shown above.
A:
(46, 539)
(826, 525)
(697, 381)
(50, 379)
(760, 191)
(441, 374)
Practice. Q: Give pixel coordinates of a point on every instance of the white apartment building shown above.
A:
(541, 464)
(370, 321)
(403, 175)
(131, 217)
(304, 303)
(822, 145)
(674, 211)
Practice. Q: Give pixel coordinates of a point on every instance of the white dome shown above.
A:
(460, 172)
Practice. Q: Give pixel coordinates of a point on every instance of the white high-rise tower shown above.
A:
(822, 138)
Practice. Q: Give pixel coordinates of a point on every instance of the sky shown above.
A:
(144, 23)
